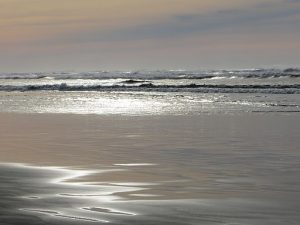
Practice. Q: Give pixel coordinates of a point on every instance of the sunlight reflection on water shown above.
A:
(143, 103)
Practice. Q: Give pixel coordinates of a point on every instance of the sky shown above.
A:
(89, 35)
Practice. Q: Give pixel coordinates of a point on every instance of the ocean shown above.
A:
(217, 147)
(152, 92)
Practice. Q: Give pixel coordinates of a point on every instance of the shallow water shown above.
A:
(145, 104)
(209, 169)
(35, 195)
(150, 147)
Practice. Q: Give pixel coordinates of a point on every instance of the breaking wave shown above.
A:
(161, 74)
(144, 87)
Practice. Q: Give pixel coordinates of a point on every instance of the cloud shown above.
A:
(168, 31)
(178, 25)
(80, 28)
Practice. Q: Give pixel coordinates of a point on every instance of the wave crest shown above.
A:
(161, 74)
(144, 87)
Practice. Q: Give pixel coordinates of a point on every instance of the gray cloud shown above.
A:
(189, 24)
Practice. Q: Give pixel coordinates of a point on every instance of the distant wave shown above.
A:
(274, 89)
(161, 74)
(291, 70)
(131, 81)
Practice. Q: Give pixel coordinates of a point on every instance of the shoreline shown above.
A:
(45, 196)
(213, 169)
(60, 139)
(41, 196)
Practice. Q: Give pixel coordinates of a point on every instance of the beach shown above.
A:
(149, 112)
(150, 147)
(162, 169)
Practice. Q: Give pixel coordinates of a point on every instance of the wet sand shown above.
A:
(209, 169)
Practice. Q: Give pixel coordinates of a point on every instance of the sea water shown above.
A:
(150, 147)
(152, 92)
